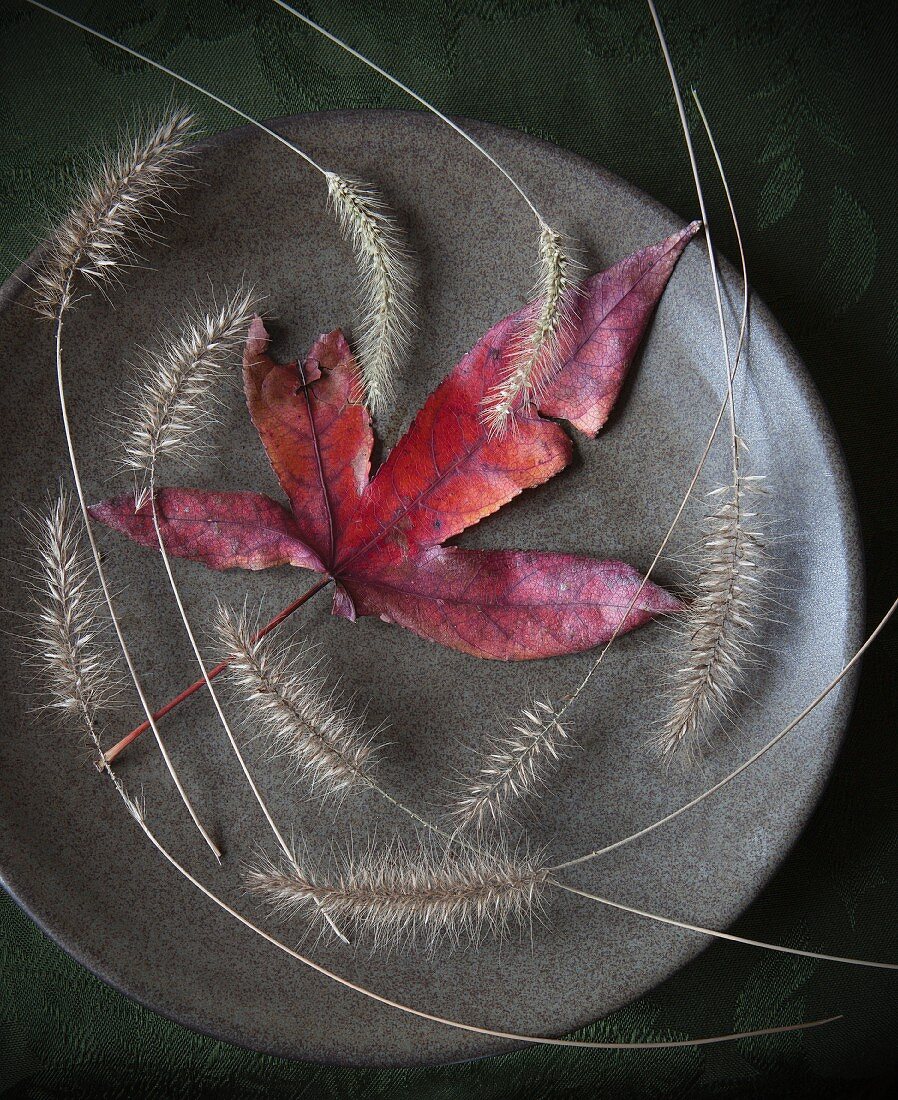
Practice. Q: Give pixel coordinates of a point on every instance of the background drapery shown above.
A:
(804, 103)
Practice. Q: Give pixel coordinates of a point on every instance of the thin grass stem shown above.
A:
(101, 575)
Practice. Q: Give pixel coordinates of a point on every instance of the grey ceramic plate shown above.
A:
(73, 859)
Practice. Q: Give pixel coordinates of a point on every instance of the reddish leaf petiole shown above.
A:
(213, 672)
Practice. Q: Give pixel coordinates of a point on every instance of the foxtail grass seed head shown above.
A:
(291, 709)
(173, 399)
(721, 625)
(114, 213)
(387, 315)
(79, 671)
(534, 361)
(405, 894)
(510, 768)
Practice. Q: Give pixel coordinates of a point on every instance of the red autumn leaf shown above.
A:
(446, 473)
(221, 530)
(610, 319)
(319, 446)
(508, 604)
(380, 540)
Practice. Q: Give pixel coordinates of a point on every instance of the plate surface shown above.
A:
(79, 866)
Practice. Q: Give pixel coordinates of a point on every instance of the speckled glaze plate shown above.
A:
(73, 859)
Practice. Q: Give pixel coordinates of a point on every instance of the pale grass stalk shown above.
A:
(723, 620)
(130, 189)
(381, 257)
(410, 893)
(81, 673)
(402, 894)
(173, 401)
(170, 408)
(113, 213)
(535, 359)
(446, 1021)
(298, 716)
(509, 767)
(721, 625)
(384, 271)
(67, 636)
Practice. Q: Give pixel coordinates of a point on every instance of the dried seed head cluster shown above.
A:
(535, 361)
(510, 767)
(721, 625)
(174, 398)
(292, 709)
(116, 210)
(383, 262)
(406, 894)
(80, 672)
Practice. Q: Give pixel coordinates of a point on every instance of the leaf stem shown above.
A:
(213, 672)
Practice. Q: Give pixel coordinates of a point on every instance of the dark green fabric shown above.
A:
(803, 100)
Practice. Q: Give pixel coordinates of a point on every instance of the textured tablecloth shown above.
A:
(803, 100)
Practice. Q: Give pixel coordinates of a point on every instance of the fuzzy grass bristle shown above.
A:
(720, 627)
(510, 767)
(174, 398)
(387, 315)
(114, 212)
(292, 709)
(80, 673)
(535, 361)
(410, 894)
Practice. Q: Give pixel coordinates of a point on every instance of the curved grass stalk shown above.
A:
(535, 361)
(387, 314)
(721, 624)
(762, 751)
(94, 239)
(509, 767)
(299, 716)
(445, 1020)
(172, 406)
(386, 282)
(405, 893)
(717, 935)
(726, 404)
(722, 620)
(107, 595)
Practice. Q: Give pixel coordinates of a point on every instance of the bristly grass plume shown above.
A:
(383, 263)
(67, 639)
(535, 359)
(290, 707)
(97, 238)
(114, 213)
(410, 894)
(80, 672)
(510, 767)
(721, 625)
(173, 399)
(535, 362)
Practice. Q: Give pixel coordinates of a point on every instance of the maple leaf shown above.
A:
(381, 539)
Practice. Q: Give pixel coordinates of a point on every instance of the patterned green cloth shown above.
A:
(803, 100)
